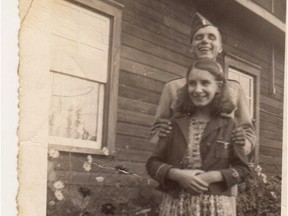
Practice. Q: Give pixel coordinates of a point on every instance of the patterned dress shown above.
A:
(196, 205)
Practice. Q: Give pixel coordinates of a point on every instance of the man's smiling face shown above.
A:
(206, 43)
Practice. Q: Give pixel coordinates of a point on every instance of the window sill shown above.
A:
(104, 151)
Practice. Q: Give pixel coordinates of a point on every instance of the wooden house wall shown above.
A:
(253, 47)
(155, 49)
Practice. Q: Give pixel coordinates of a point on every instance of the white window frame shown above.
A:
(113, 10)
(251, 95)
(246, 67)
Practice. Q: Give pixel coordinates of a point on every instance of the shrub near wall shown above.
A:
(260, 195)
(101, 189)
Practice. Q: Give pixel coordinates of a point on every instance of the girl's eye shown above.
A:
(206, 82)
(192, 83)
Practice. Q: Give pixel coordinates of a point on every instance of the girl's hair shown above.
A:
(221, 102)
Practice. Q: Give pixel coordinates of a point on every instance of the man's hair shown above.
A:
(221, 103)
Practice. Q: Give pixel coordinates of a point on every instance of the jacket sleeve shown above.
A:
(156, 166)
(239, 167)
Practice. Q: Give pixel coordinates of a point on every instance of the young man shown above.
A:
(206, 42)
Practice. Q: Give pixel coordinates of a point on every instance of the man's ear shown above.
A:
(193, 55)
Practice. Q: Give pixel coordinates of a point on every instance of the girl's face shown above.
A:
(202, 87)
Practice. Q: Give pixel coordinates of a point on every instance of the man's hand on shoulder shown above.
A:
(163, 127)
(239, 136)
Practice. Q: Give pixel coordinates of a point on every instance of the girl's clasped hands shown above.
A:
(194, 180)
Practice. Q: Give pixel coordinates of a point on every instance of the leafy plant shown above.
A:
(260, 195)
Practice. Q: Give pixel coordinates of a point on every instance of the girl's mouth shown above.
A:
(200, 97)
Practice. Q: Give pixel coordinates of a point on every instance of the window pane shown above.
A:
(233, 76)
(76, 108)
(247, 85)
(80, 42)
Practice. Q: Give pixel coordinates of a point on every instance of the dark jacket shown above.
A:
(216, 149)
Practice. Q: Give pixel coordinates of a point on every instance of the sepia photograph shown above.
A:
(144, 107)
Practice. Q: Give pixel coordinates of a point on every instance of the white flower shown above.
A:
(264, 177)
(53, 153)
(58, 194)
(105, 151)
(89, 159)
(100, 179)
(258, 169)
(58, 185)
(87, 166)
(273, 194)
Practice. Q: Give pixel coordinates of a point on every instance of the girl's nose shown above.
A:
(198, 88)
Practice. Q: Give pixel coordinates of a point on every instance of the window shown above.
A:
(85, 43)
(247, 83)
(248, 75)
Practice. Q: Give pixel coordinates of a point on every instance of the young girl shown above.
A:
(197, 163)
